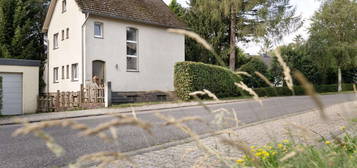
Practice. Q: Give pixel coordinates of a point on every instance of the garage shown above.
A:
(19, 86)
(11, 94)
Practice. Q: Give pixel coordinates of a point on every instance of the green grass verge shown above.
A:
(337, 153)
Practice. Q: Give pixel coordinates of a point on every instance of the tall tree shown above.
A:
(202, 23)
(333, 36)
(20, 29)
(254, 18)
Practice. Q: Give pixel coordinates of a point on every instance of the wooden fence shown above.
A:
(87, 97)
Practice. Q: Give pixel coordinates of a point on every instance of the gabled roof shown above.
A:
(154, 12)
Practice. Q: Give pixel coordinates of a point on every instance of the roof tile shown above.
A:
(153, 12)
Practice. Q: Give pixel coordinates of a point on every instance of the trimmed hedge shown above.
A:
(284, 91)
(194, 76)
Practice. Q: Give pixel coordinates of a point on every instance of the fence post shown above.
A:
(108, 94)
(81, 95)
(57, 100)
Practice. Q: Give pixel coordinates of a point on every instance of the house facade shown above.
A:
(122, 41)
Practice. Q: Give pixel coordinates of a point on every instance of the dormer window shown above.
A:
(64, 6)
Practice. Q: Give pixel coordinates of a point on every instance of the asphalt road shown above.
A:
(30, 152)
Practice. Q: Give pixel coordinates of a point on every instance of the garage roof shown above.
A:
(19, 62)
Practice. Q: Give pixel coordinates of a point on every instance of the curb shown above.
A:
(11, 122)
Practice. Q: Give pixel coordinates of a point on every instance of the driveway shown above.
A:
(30, 152)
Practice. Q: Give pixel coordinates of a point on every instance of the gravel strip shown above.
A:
(188, 155)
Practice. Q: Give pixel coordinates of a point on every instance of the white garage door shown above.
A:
(11, 94)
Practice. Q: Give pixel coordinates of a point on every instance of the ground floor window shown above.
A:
(55, 74)
(74, 72)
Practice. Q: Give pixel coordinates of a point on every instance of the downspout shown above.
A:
(83, 74)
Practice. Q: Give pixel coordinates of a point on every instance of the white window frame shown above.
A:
(137, 50)
(75, 77)
(55, 75)
(64, 6)
(101, 30)
(55, 41)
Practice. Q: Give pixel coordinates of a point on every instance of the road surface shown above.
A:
(30, 152)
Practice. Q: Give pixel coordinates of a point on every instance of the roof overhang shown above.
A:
(19, 62)
(49, 15)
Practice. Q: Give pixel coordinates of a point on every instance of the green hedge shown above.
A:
(193, 76)
(284, 91)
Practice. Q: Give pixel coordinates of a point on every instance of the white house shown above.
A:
(122, 41)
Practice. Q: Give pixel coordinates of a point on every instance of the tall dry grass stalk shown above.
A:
(264, 78)
(101, 159)
(199, 40)
(250, 91)
(310, 90)
(180, 124)
(243, 73)
(204, 92)
(286, 70)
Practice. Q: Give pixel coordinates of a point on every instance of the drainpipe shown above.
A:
(83, 74)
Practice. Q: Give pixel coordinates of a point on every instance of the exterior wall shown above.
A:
(30, 75)
(158, 51)
(70, 50)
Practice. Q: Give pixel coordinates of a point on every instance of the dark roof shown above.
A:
(19, 62)
(153, 12)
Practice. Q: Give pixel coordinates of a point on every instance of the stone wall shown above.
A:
(138, 97)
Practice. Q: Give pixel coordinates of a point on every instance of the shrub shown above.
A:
(193, 76)
(255, 64)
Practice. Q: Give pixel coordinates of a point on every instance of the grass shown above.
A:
(332, 93)
(354, 120)
(340, 152)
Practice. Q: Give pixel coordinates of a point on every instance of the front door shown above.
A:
(99, 70)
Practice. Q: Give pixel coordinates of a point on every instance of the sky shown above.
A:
(305, 8)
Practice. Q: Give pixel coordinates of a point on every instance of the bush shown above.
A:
(299, 90)
(193, 76)
(255, 64)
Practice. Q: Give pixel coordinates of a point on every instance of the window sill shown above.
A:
(55, 48)
(75, 80)
(56, 82)
(99, 37)
(128, 70)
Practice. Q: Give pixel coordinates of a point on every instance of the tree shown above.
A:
(333, 36)
(247, 19)
(202, 23)
(20, 29)
(255, 64)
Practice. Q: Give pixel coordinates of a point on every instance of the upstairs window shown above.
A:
(98, 30)
(55, 75)
(62, 35)
(75, 72)
(64, 6)
(62, 72)
(132, 49)
(67, 33)
(55, 41)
